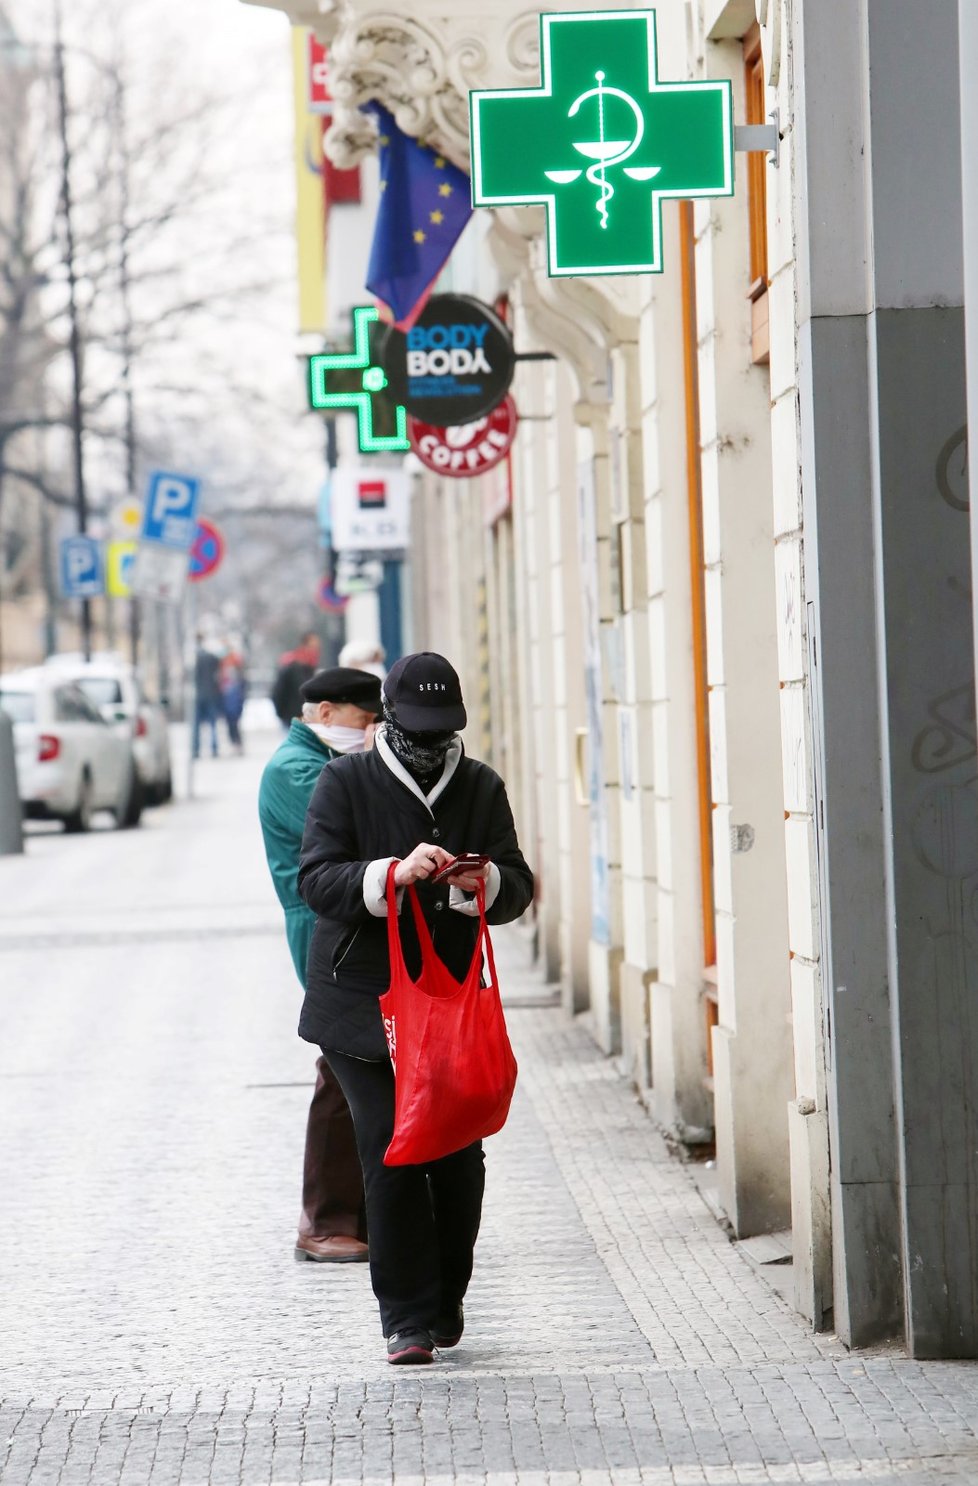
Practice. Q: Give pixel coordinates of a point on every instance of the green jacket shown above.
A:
(287, 783)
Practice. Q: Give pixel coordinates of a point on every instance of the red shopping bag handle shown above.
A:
(428, 950)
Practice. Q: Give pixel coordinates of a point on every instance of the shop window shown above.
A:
(754, 95)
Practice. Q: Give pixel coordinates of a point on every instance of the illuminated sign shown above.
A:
(352, 381)
(601, 143)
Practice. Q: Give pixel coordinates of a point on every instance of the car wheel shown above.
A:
(163, 792)
(80, 819)
(128, 814)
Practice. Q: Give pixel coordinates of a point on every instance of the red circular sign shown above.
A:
(329, 599)
(466, 449)
(206, 551)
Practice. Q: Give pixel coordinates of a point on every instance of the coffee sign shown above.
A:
(467, 449)
(453, 366)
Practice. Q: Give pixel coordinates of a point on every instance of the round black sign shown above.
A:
(454, 364)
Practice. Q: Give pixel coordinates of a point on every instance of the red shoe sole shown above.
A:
(416, 1355)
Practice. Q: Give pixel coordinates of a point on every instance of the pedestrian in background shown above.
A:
(294, 668)
(233, 689)
(339, 707)
(365, 655)
(415, 799)
(207, 695)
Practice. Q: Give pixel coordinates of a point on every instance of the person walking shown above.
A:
(207, 695)
(294, 668)
(339, 707)
(365, 655)
(417, 800)
(233, 687)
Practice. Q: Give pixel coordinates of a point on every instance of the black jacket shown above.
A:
(361, 811)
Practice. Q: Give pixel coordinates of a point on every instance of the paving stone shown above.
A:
(154, 1329)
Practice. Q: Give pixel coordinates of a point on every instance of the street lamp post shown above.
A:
(77, 419)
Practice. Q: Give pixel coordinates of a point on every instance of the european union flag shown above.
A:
(425, 201)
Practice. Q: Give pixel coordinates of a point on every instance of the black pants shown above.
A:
(422, 1220)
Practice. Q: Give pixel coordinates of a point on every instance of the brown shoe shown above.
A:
(338, 1249)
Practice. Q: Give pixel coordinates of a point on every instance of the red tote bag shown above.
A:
(454, 1070)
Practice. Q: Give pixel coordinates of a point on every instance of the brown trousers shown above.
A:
(332, 1181)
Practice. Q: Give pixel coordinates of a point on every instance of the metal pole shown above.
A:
(77, 424)
(126, 301)
(190, 687)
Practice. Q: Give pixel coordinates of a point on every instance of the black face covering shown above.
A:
(421, 753)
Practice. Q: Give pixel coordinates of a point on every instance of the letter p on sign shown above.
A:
(171, 509)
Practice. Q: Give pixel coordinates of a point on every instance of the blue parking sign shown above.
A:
(81, 568)
(170, 513)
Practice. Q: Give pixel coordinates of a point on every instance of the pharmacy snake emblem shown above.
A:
(603, 151)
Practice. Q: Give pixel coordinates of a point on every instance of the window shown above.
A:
(104, 691)
(72, 706)
(87, 712)
(754, 98)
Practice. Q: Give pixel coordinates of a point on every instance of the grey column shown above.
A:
(888, 574)
(923, 581)
(968, 52)
(835, 295)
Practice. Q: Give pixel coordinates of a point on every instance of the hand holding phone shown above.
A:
(467, 865)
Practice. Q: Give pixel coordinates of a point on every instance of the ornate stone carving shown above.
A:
(769, 19)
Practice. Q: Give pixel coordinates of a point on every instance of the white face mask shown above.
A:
(343, 740)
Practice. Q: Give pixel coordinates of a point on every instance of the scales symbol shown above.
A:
(603, 151)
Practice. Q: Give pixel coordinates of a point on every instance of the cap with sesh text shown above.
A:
(343, 684)
(425, 693)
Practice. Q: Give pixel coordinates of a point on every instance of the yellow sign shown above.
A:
(310, 207)
(127, 517)
(118, 569)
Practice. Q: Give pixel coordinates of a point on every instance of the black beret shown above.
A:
(344, 684)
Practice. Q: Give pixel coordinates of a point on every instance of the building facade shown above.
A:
(717, 613)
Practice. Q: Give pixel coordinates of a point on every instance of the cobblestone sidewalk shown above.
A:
(153, 1328)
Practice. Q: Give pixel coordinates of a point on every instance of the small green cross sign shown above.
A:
(601, 143)
(351, 380)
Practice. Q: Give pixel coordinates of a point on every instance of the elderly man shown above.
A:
(339, 707)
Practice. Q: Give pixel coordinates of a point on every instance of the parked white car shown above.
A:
(70, 761)
(114, 687)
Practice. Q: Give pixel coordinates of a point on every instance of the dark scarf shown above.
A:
(422, 754)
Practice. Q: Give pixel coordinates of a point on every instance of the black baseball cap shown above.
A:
(343, 684)
(425, 694)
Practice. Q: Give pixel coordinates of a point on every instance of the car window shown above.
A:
(86, 710)
(19, 705)
(67, 705)
(104, 691)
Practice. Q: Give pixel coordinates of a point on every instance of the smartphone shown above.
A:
(467, 862)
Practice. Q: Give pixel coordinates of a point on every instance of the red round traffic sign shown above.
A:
(206, 550)
(466, 449)
(328, 598)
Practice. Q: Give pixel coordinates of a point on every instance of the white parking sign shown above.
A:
(170, 515)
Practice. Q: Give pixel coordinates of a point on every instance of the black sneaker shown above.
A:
(410, 1347)
(448, 1327)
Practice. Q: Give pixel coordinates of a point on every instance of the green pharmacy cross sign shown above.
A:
(352, 380)
(601, 143)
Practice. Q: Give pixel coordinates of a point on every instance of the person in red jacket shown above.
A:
(295, 668)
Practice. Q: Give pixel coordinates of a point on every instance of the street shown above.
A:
(154, 1327)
